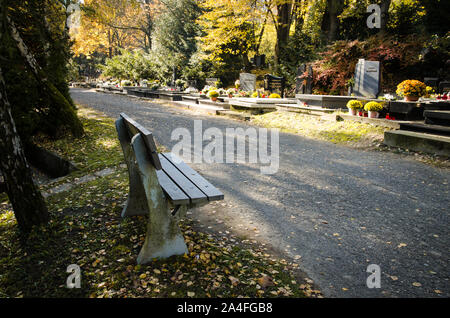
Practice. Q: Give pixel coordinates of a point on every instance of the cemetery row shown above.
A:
(364, 97)
(421, 118)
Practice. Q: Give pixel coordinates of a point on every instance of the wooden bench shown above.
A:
(162, 186)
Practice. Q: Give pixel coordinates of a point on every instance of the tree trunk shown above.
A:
(385, 4)
(283, 27)
(330, 25)
(28, 203)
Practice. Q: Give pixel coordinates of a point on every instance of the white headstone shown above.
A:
(248, 82)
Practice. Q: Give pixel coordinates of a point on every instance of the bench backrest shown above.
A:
(134, 128)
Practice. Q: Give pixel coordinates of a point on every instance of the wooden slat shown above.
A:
(207, 188)
(174, 193)
(182, 182)
(135, 128)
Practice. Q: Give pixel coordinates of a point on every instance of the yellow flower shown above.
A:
(411, 88)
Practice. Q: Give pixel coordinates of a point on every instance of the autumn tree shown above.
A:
(176, 33)
(230, 27)
(110, 25)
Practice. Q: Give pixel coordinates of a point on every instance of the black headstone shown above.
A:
(444, 87)
(431, 81)
(274, 84)
(259, 60)
(304, 80)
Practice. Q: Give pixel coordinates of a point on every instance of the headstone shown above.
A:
(192, 83)
(211, 81)
(431, 81)
(174, 75)
(367, 79)
(304, 81)
(248, 82)
(444, 87)
(191, 89)
(259, 60)
(274, 84)
(192, 86)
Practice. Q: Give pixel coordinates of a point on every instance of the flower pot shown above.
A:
(352, 111)
(360, 114)
(373, 114)
(411, 98)
(214, 99)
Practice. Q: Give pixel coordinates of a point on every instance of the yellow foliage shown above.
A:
(107, 25)
(231, 26)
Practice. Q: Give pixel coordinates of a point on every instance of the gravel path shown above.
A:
(338, 208)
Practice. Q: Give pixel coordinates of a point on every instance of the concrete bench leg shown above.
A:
(164, 237)
(137, 200)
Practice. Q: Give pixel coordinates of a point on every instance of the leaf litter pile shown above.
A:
(86, 229)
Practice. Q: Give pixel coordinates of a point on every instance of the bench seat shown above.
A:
(182, 184)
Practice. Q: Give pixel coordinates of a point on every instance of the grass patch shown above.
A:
(339, 132)
(98, 149)
(86, 229)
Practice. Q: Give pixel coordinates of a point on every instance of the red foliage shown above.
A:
(337, 64)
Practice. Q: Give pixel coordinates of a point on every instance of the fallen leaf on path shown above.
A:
(234, 280)
(265, 281)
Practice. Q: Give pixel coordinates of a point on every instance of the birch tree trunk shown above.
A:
(28, 203)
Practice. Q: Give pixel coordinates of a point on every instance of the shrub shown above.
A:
(243, 94)
(400, 57)
(180, 83)
(232, 91)
(411, 88)
(274, 96)
(154, 87)
(222, 91)
(430, 91)
(125, 83)
(354, 104)
(373, 107)
(208, 88)
(213, 94)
